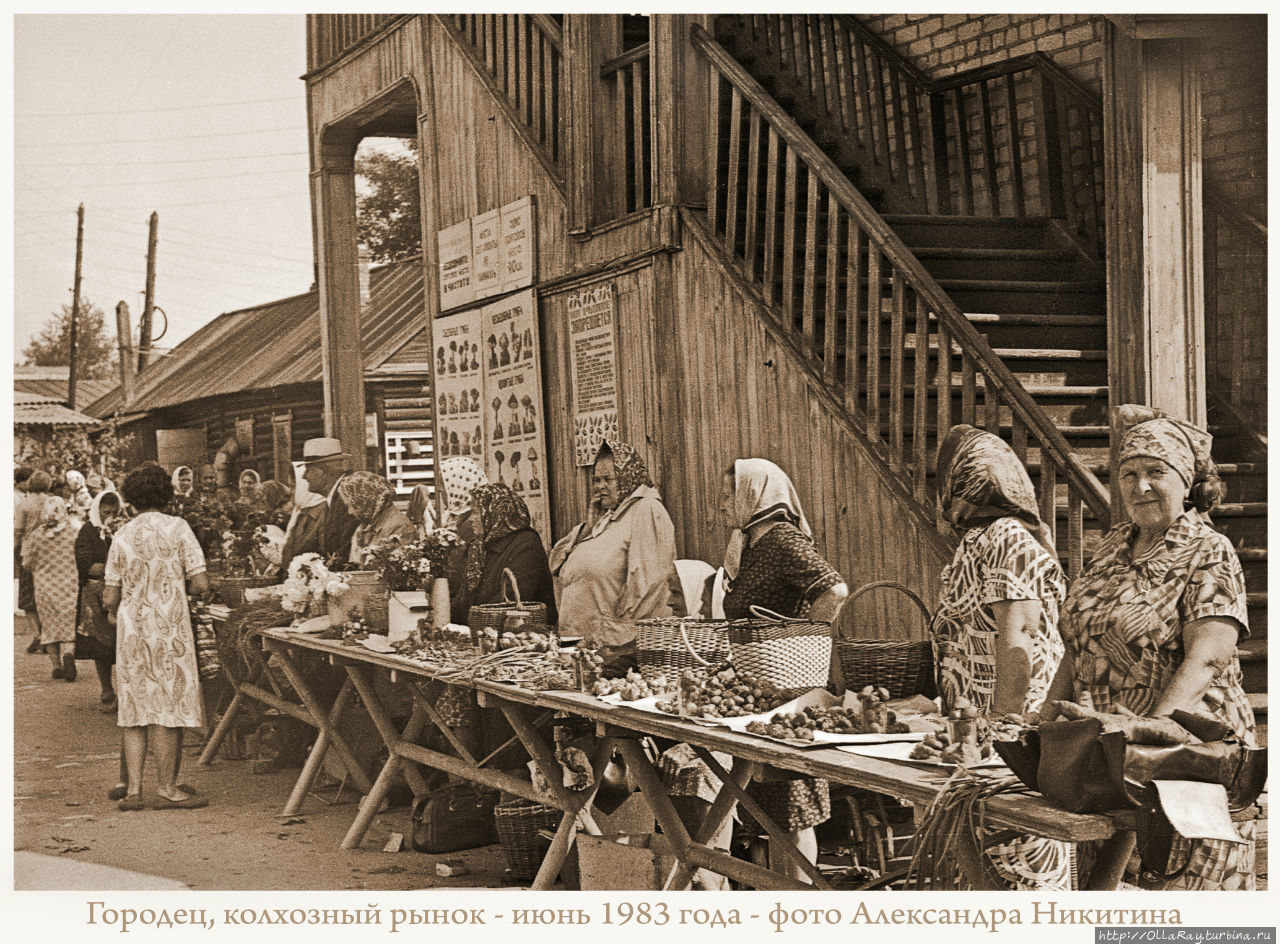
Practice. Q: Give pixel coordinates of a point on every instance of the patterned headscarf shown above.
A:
(53, 516)
(459, 475)
(627, 464)
(1151, 433)
(983, 480)
(761, 492)
(366, 494)
(500, 512)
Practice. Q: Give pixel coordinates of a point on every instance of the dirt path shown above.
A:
(65, 760)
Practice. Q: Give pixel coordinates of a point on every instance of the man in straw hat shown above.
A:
(326, 466)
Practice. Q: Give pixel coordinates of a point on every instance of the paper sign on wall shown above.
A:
(454, 248)
(593, 370)
(517, 245)
(486, 243)
(459, 381)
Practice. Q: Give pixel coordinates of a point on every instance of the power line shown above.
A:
(180, 137)
(145, 111)
(174, 180)
(191, 160)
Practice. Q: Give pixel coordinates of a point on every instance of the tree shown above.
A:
(388, 219)
(95, 348)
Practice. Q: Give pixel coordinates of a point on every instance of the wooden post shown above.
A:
(123, 331)
(73, 338)
(334, 205)
(149, 300)
(581, 80)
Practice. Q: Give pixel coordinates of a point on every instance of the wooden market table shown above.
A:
(622, 728)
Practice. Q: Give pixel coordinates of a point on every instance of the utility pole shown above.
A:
(124, 338)
(144, 341)
(75, 311)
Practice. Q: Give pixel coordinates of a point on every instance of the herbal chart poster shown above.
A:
(456, 283)
(593, 370)
(514, 427)
(459, 385)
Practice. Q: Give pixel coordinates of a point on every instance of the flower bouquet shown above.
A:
(308, 585)
(403, 566)
(243, 548)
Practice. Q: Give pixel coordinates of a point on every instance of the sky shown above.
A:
(201, 118)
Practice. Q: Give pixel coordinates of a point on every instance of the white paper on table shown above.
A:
(317, 624)
(378, 644)
(1197, 810)
(900, 750)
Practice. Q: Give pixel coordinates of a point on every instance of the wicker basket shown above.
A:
(904, 667)
(666, 646)
(367, 595)
(790, 653)
(231, 589)
(484, 616)
(519, 822)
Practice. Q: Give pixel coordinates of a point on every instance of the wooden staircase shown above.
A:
(1030, 286)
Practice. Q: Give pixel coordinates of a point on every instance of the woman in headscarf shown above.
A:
(368, 497)
(27, 511)
(421, 511)
(771, 562)
(276, 502)
(459, 475)
(78, 497)
(1152, 624)
(302, 535)
(183, 480)
(48, 551)
(615, 568)
(248, 499)
(504, 540)
(995, 631)
(95, 636)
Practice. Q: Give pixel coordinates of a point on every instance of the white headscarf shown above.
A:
(174, 479)
(95, 511)
(761, 492)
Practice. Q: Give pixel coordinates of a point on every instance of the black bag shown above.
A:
(460, 816)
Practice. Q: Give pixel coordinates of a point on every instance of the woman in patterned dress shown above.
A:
(49, 552)
(151, 561)
(771, 562)
(1152, 624)
(995, 632)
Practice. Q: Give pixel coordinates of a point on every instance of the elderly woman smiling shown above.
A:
(1152, 624)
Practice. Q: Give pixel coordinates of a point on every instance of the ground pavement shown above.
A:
(65, 760)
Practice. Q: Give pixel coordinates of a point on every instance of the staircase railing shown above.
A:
(628, 76)
(521, 53)
(1016, 138)
(789, 218)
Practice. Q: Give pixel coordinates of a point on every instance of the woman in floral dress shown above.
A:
(995, 632)
(49, 553)
(1152, 624)
(151, 561)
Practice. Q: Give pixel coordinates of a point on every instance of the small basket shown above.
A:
(519, 823)
(231, 589)
(904, 667)
(790, 653)
(484, 616)
(667, 645)
(367, 595)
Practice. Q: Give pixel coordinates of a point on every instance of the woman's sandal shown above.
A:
(109, 707)
(132, 802)
(69, 666)
(186, 803)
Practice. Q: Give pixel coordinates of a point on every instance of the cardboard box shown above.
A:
(624, 862)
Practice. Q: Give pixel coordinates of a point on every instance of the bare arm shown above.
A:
(111, 602)
(824, 608)
(1208, 645)
(1015, 621)
(198, 584)
(1062, 688)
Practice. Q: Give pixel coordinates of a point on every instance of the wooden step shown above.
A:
(950, 262)
(1067, 298)
(970, 231)
(1252, 654)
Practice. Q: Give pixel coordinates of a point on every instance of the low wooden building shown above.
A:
(249, 383)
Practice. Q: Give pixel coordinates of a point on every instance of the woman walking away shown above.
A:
(151, 560)
(49, 552)
(995, 633)
(95, 636)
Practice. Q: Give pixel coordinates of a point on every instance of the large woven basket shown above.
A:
(367, 596)
(484, 616)
(790, 653)
(903, 666)
(519, 823)
(670, 644)
(231, 589)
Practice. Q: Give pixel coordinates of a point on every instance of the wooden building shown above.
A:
(828, 237)
(252, 377)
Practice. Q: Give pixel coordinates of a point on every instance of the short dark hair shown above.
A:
(21, 474)
(147, 487)
(40, 481)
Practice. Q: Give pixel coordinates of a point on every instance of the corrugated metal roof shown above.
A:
(31, 409)
(52, 382)
(276, 344)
